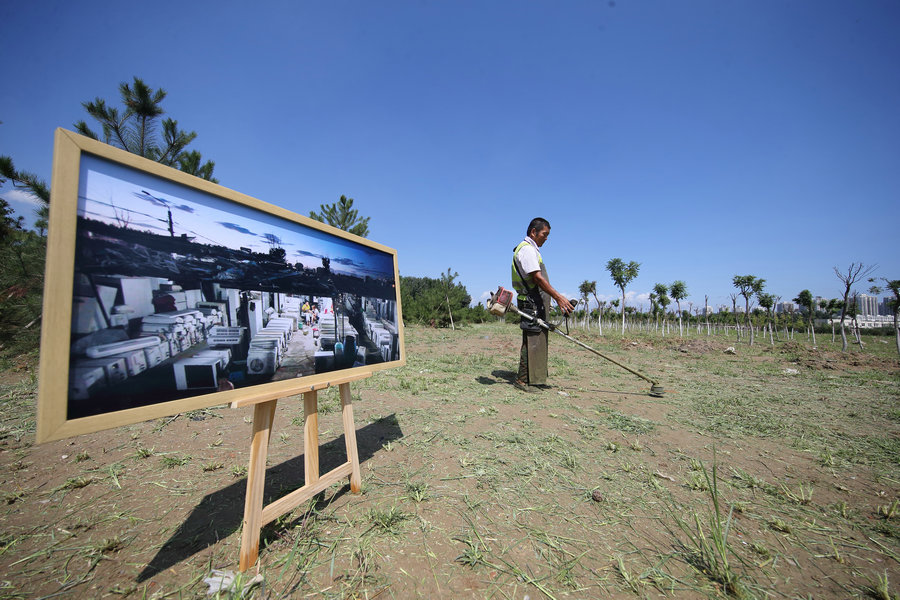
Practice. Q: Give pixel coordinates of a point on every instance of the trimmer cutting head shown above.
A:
(656, 391)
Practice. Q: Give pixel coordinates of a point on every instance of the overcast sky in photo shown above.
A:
(703, 139)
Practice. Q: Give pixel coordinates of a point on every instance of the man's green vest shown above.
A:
(520, 283)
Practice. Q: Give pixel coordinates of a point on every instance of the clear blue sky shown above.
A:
(702, 139)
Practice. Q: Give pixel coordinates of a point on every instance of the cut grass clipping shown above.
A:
(707, 548)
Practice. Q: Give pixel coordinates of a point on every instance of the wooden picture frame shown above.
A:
(166, 293)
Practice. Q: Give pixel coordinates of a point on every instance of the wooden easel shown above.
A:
(256, 516)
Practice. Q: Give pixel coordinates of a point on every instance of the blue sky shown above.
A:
(702, 139)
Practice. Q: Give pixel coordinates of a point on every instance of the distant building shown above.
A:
(864, 322)
(866, 306)
(785, 307)
(886, 308)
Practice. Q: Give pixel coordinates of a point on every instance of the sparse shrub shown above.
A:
(170, 462)
(387, 521)
(417, 491)
(142, 452)
(888, 511)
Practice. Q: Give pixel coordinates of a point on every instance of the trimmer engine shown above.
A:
(500, 301)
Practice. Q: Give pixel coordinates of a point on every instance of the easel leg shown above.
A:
(311, 437)
(350, 438)
(263, 416)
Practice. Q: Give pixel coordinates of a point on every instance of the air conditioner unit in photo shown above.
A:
(135, 361)
(267, 341)
(153, 355)
(324, 361)
(114, 368)
(225, 336)
(272, 334)
(163, 318)
(118, 320)
(224, 356)
(118, 348)
(191, 314)
(281, 323)
(289, 322)
(168, 328)
(165, 350)
(293, 317)
(197, 373)
(221, 307)
(85, 382)
(263, 357)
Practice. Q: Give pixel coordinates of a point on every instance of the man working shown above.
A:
(529, 279)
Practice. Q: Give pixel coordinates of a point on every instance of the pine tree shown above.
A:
(136, 129)
(343, 216)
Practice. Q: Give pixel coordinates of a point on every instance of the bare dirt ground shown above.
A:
(473, 489)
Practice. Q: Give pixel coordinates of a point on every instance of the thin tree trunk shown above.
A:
(843, 335)
(680, 330)
(706, 313)
(450, 312)
(749, 322)
(897, 329)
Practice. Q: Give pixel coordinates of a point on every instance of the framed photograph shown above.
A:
(167, 293)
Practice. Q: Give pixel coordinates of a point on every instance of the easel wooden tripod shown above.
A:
(256, 516)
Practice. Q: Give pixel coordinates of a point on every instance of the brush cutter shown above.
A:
(502, 301)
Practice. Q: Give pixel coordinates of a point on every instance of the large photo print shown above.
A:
(179, 293)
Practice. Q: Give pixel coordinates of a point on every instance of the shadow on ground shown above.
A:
(500, 376)
(220, 513)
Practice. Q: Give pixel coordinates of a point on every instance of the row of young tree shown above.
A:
(758, 312)
(442, 302)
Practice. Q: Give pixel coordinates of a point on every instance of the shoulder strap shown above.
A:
(519, 270)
